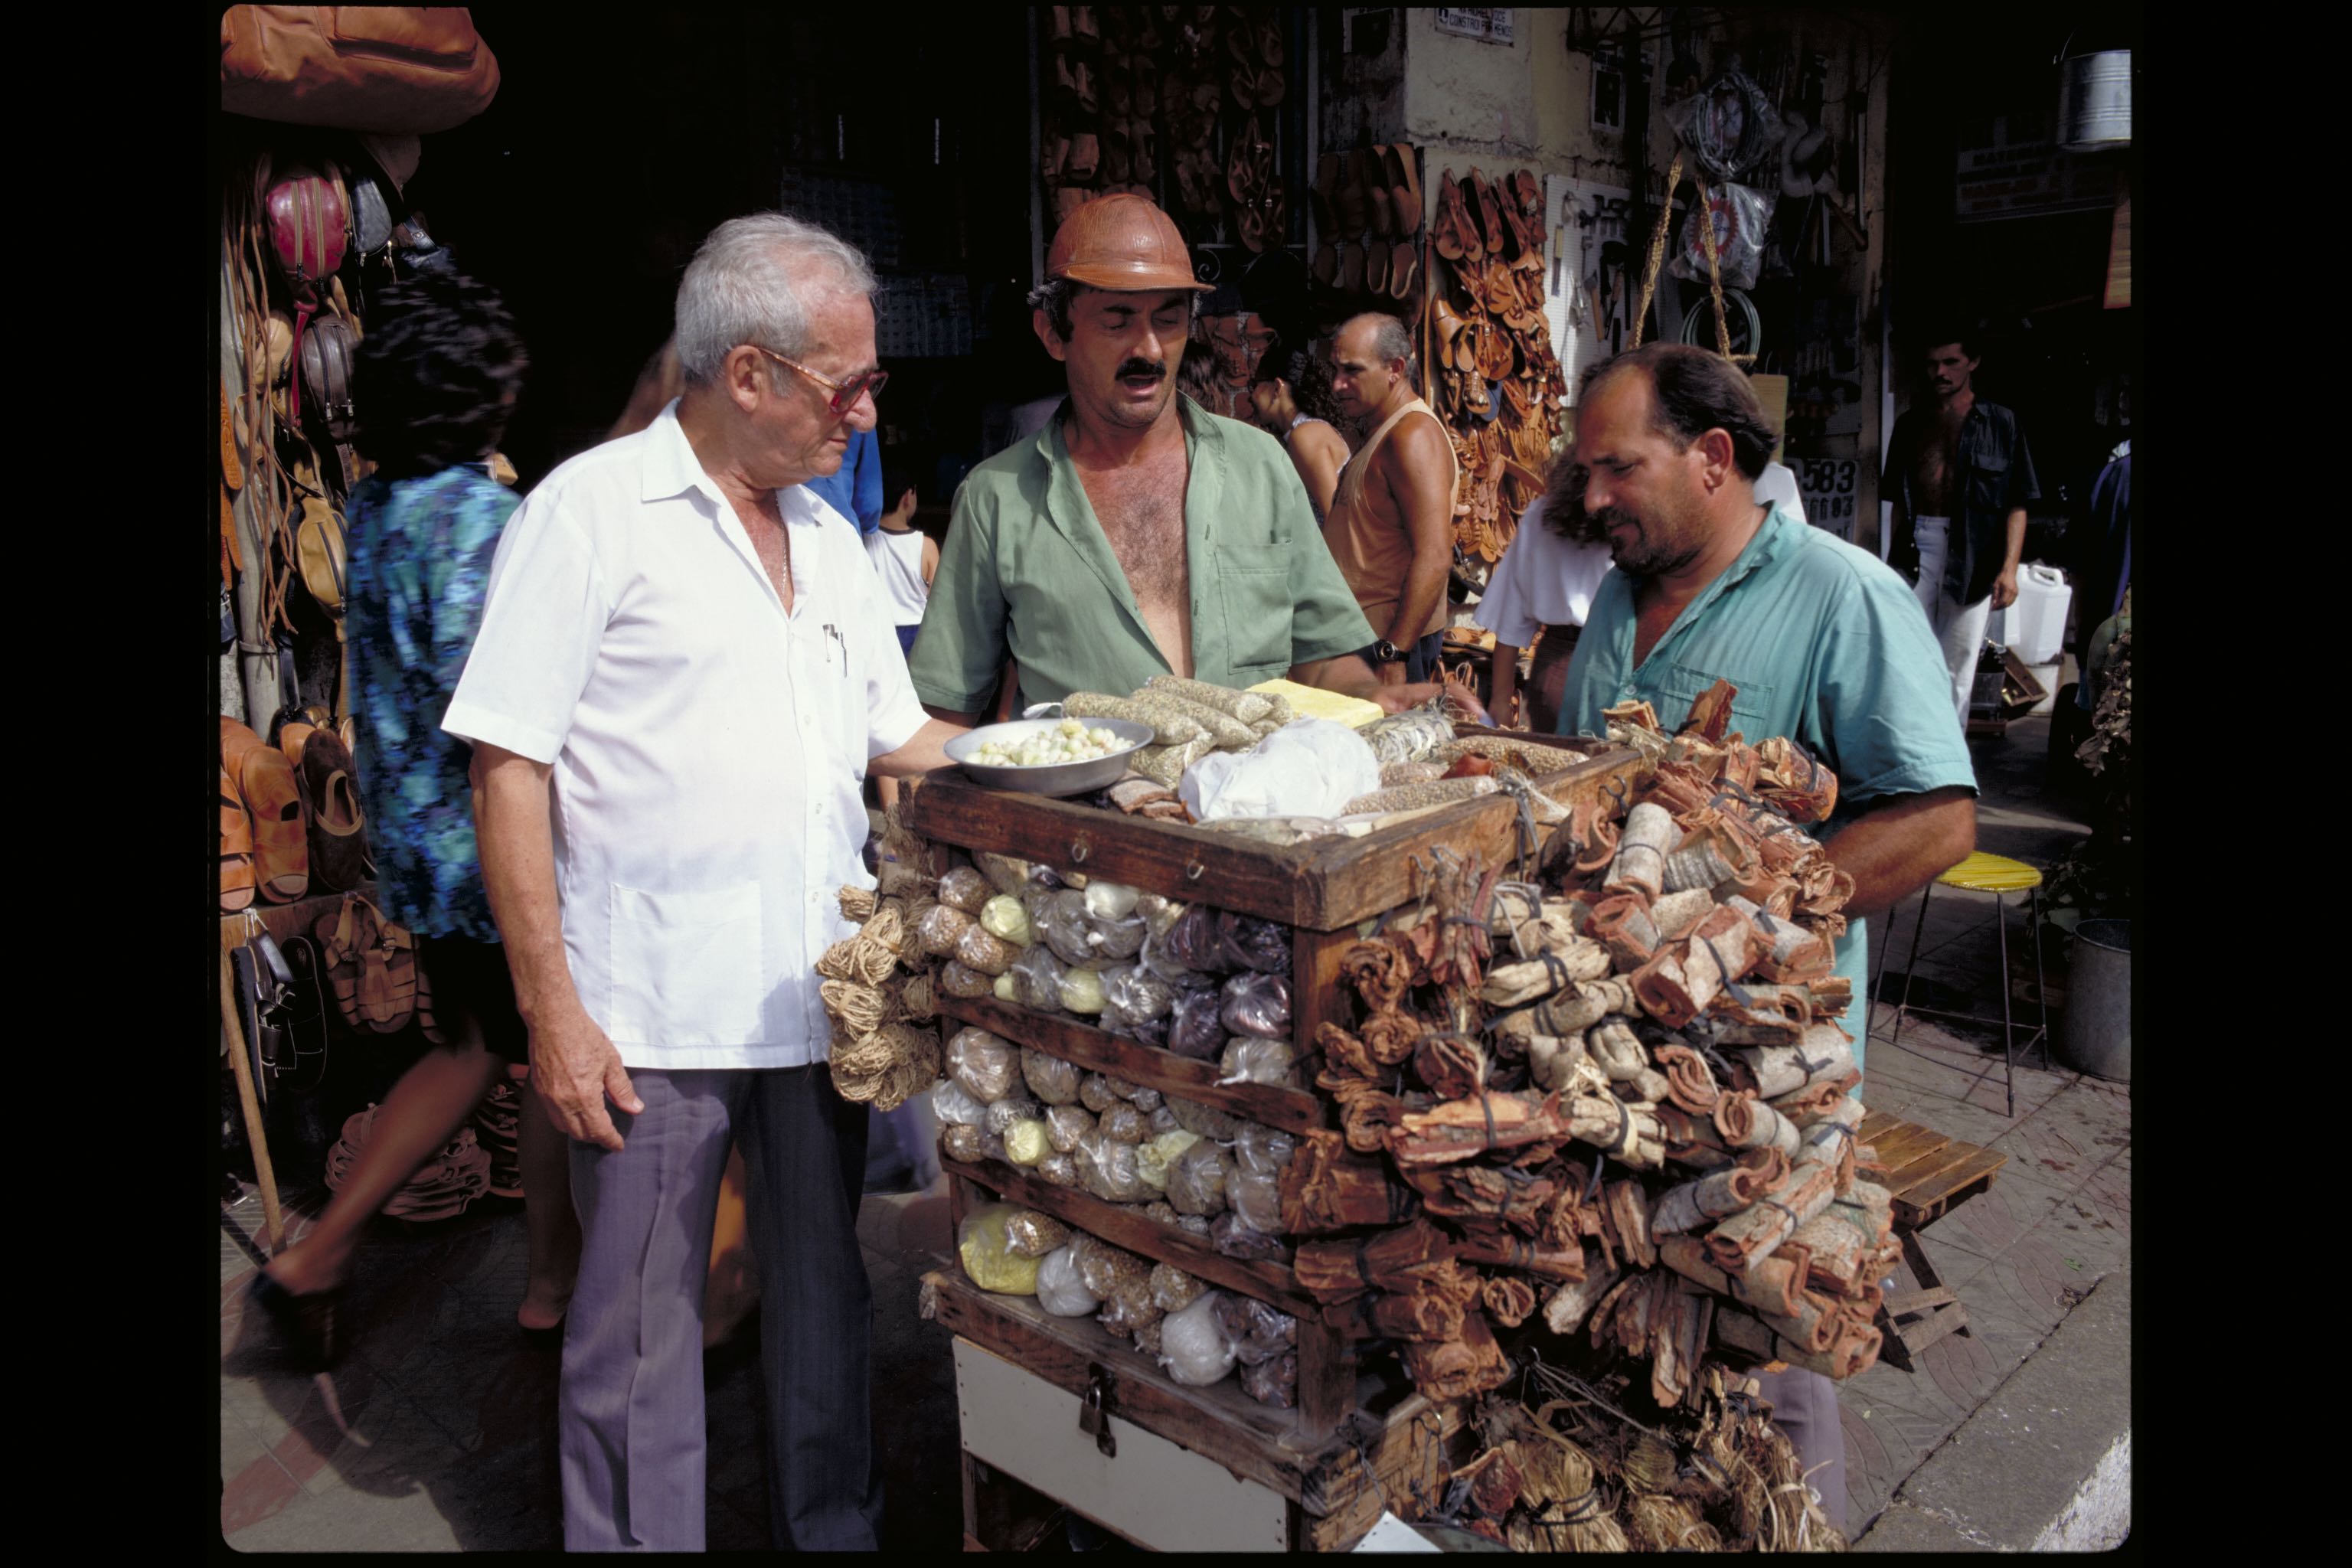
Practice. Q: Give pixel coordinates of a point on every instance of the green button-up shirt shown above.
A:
(1826, 646)
(1027, 572)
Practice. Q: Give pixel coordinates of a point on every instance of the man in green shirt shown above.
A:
(1136, 535)
(1825, 644)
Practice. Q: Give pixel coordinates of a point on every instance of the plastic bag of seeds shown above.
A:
(1033, 1235)
(1195, 1029)
(1061, 1170)
(1129, 1306)
(1233, 1239)
(955, 1107)
(956, 979)
(1173, 1290)
(1254, 1004)
(1197, 1178)
(1106, 1168)
(1206, 1120)
(1248, 1059)
(1274, 1381)
(1162, 1120)
(1192, 943)
(1252, 943)
(940, 929)
(1254, 1190)
(1065, 1125)
(1026, 1141)
(963, 888)
(1105, 1268)
(1192, 1347)
(1259, 1332)
(981, 1065)
(1059, 1290)
(969, 1144)
(1049, 1078)
(1001, 1114)
(1037, 979)
(1093, 1093)
(982, 1245)
(1125, 1123)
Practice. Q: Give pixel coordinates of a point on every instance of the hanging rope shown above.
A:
(1657, 249)
(1714, 276)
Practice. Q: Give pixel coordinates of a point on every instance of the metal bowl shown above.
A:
(1059, 778)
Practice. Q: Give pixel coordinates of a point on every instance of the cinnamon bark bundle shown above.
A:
(1497, 1251)
(1823, 1054)
(1767, 1015)
(1747, 1122)
(1394, 1260)
(1650, 834)
(1509, 1301)
(1791, 953)
(1569, 1012)
(1692, 1140)
(1620, 923)
(1690, 1082)
(1677, 982)
(1801, 788)
(1737, 1243)
(1326, 1188)
(1776, 1285)
(1453, 1368)
(1629, 1132)
(1564, 960)
(1466, 1128)
(1697, 1205)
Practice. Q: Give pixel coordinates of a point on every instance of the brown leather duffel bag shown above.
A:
(397, 70)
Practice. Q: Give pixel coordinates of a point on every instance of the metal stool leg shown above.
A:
(1917, 927)
(2008, 1039)
(2040, 987)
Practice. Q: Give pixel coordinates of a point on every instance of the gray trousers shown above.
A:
(1805, 1407)
(631, 1432)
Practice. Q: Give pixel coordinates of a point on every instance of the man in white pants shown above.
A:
(1960, 475)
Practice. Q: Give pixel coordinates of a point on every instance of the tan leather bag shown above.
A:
(392, 69)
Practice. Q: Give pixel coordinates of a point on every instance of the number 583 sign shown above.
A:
(1826, 485)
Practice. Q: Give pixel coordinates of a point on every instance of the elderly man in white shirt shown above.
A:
(685, 671)
(1544, 585)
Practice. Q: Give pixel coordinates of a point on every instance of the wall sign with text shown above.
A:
(1827, 487)
(1488, 23)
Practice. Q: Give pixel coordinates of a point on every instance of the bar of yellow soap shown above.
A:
(1314, 702)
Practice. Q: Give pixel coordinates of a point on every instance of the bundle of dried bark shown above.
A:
(1326, 1187)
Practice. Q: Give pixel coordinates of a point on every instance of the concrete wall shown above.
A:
(1467, 102)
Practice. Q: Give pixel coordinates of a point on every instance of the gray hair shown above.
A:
(1057, 295)
(752, 281)
(1391, 341)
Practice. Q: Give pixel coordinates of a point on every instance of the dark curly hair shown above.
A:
(436, 373)
(1696, 391)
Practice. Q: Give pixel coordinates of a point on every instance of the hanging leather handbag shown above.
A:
(310, 228)
(327, 375)
(398, 70)
(319, 545)
(371, 966)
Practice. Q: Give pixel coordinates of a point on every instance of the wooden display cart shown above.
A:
(1329, 892)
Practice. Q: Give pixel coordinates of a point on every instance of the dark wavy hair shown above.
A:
(1563, 501)
(436, 373)
(1696, 391)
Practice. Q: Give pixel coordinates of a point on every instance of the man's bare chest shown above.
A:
(1141, 512)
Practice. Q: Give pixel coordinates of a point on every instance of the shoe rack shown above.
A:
(1201, 109)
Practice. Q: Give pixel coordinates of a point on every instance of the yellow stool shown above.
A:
(1999, 875)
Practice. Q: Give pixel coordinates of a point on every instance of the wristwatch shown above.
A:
(1386, 652)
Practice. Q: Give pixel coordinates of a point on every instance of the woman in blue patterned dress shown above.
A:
(437, 378)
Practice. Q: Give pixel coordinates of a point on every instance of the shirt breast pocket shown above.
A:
(1254, 582)
(1751, 701)
(1988, 482)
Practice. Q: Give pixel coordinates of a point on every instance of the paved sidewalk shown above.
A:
(437, 1433)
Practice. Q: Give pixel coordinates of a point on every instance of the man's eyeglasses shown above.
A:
(846, 394)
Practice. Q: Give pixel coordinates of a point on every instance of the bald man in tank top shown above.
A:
(1391, 527)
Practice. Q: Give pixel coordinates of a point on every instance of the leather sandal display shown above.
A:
(1376, 265)
(338, 836)
(265, 781)
(1404, 188)
(1404, 270)
(236, 878)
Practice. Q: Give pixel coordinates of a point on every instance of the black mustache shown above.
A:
(1141, 367)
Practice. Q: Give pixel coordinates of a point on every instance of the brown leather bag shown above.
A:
(327, 374)
(394, 70)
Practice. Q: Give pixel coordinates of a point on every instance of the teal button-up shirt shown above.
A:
(1826, 646)
(1026, 571)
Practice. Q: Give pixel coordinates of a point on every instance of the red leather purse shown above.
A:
(310, 228)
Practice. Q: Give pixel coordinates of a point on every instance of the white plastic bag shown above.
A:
(1059, 1290)
(1194, 1346)
(1310, 768)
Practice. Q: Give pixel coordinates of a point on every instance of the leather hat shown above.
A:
(1123, 243)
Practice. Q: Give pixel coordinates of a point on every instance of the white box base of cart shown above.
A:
(1154, 1492)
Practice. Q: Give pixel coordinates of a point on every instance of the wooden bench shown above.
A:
(1932, 1173)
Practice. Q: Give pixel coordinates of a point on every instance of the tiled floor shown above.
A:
(436, 1434)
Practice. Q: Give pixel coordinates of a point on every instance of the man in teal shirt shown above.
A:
(1825, 644)
(1137, 534)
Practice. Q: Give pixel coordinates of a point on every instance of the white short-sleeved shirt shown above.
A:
(709, 750)
(1544, 580)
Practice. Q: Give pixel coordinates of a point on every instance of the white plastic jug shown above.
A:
(2035, 627)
